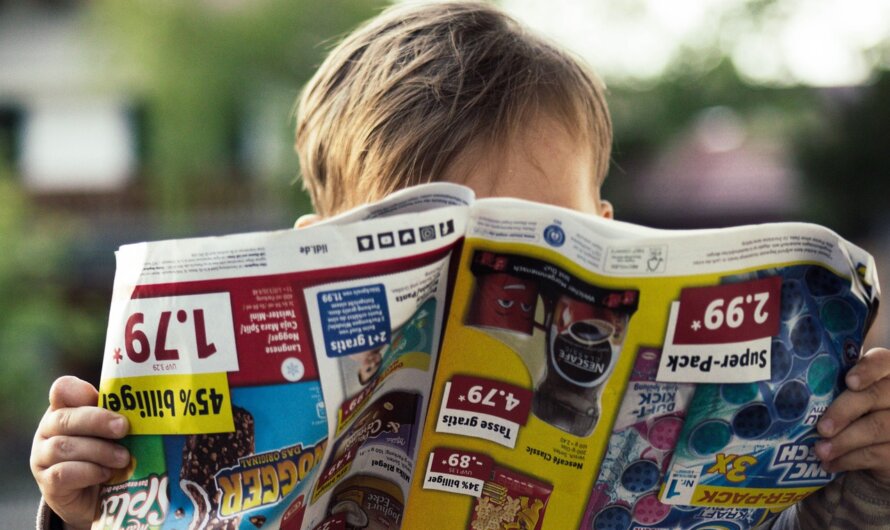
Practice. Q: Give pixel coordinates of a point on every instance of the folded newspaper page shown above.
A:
(435, 361)
(211, 354)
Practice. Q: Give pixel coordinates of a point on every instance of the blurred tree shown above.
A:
(201, 68)
(647, 118)
(846, 158)
(32, 321)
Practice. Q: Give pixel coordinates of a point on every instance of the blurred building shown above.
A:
(715, 173)
(73, 133)
(68, 127)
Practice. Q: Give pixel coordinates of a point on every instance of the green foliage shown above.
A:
(846, 158)
(32, 320)
(199, 64)
(647, 120)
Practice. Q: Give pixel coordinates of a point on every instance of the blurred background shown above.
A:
(125, 121)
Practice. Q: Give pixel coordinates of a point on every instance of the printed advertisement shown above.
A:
(598, 375)
(219, 351)
(435, 361)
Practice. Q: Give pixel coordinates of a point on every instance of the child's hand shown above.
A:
(856, 427)
(72, 455)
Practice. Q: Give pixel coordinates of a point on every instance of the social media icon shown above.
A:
(386, 240)
(427, 232)
(406, 237)
(365, 243)
(446, 228)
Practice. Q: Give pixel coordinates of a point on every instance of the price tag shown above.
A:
(190, 334)
(483, 408)
(457, 471)
(722, 333)
(336, 469)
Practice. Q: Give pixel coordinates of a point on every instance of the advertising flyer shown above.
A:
(599, 375)
(435, 361)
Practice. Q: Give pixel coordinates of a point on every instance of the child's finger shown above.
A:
(873, 458)
(59, 449)
(83, 421)
(872, 430)
(851, 405)
(62, 479)
(307, 220)
(69, 391)
(873, 366)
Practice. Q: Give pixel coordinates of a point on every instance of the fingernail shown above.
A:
(823, 449)
(853, 381)
(826, 427)
(118, 426)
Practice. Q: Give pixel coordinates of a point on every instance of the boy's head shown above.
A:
(422, 90)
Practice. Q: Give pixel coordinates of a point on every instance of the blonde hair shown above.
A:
(400, 98)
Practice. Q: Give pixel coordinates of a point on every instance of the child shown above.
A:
(461, 92)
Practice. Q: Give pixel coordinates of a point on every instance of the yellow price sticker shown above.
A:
(171, 404)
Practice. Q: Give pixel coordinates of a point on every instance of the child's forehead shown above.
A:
(544, 162)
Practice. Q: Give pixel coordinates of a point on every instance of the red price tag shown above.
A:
(485, 396)
(182, 334)
(351, 407)
(450, 461)
(335, 468)
(730, 313)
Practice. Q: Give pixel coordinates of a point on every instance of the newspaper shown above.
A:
(435, 361)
